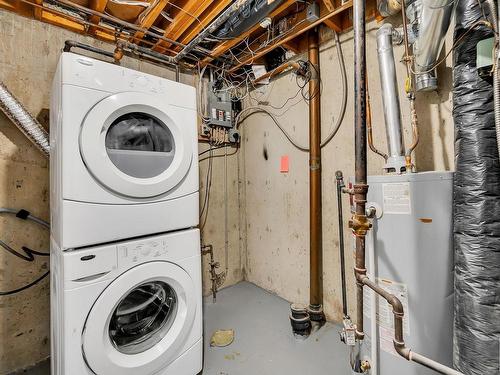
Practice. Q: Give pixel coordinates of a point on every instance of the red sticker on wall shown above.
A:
(284, 165)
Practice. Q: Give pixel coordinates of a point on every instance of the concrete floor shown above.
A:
(264, 343)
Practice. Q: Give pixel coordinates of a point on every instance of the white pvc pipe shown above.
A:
(373, 303)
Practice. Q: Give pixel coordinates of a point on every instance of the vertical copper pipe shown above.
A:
(316, 259)
(359, 222)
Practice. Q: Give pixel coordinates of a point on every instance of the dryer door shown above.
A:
(141, 321)
(135, 145)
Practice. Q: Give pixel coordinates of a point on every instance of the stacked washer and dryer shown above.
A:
(126, 267)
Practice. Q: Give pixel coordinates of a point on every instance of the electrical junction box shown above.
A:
(313, 12)
(484, 59)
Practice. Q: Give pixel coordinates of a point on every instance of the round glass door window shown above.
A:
(140, 145)
(143, 317)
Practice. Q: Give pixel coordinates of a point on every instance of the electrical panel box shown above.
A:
(222, 111)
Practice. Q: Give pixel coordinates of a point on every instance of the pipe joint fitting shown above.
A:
(402, 350)
(360, 189)
(360, 335)
(397, 306)
(360, 275)
(360, 225)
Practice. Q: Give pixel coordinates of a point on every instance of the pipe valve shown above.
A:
(360, 225)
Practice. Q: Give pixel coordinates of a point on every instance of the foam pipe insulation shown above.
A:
(476, 205)
(26, 123)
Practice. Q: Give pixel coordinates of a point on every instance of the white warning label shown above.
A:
(397, 198)
(385, 317)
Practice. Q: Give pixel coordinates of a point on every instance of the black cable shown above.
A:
(29, 254)
(208, 188)
(207, 184)
(220, 155)
(211, 149)
(27, 286)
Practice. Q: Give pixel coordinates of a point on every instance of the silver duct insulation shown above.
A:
(28, 125)
(430, 20)
(390, 98)
(218, 22)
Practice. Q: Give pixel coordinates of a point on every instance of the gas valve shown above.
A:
(348, 333)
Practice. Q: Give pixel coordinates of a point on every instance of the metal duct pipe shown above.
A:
(389, 7)
(476, 202)
(390, 98)
(433, 20)
(315, 210)
(219, 21)
(26, 123)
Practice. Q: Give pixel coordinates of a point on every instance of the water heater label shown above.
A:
(385, 317)
(397, 198)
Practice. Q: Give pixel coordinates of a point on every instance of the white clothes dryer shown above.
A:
(124, 159)
(130, 308)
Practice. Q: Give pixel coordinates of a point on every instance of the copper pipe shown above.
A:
(369, 126)
(315, 214)
(280, 69)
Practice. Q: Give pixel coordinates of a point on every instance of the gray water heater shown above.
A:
(414, 260)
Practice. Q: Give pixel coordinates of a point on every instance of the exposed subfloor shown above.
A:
(264, 343)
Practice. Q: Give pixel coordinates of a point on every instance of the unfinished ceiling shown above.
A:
(166, 26)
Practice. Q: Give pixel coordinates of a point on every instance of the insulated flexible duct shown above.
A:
(476, 204)
(28, 125)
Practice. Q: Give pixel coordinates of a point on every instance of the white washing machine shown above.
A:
(130, 308)
(124, 159)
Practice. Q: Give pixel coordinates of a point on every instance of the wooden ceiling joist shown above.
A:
(226, 45)
(149, 18)
(184, 18)
(213, 11)
(190, 17)
(37, 11)
(302, 28)
(99, 6)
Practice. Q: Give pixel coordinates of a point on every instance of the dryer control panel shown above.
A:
(143, 251)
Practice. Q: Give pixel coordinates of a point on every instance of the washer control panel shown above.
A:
(143, 251)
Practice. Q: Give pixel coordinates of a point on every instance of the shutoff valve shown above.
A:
(348, 333)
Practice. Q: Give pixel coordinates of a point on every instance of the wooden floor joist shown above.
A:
(189, 18)
(99, 6)
(149, 18)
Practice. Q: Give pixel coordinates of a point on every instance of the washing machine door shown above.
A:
(141, 321)
(136, 145)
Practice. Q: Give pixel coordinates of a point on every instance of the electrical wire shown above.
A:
(214, 156)
(206, 199)
(256, 109)
(27, 254)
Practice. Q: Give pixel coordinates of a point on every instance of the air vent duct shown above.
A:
(250, 14)
(429, 21)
